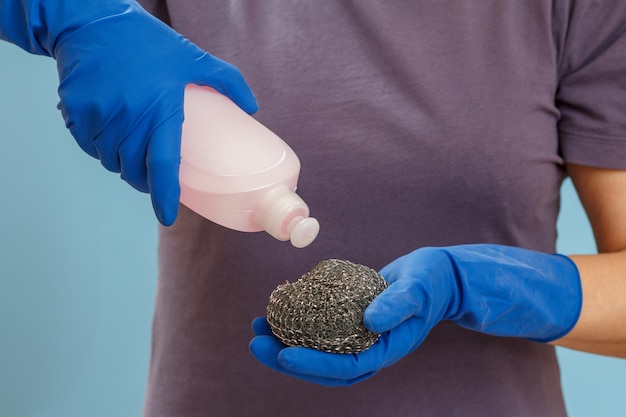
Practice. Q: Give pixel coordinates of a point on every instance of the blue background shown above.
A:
(78, 270)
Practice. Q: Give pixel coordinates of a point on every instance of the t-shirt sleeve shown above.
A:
(591, 96)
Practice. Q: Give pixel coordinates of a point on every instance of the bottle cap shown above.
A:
(304, 230)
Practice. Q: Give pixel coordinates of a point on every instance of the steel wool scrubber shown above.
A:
(324, 309)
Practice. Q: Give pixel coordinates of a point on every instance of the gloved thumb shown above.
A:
(397, 303)
(162, 163)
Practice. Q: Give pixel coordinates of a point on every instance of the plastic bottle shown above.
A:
(237, 173)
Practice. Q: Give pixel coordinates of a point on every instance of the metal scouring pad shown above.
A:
(324, 309)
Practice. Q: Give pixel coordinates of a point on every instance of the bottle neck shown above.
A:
(284, 215)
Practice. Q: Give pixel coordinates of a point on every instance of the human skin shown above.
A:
(601, 327)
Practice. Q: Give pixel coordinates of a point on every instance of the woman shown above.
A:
(447, 126)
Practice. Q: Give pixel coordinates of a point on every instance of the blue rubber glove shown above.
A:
(497, 290)
(122, 76)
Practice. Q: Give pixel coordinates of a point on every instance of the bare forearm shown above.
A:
(601, 327)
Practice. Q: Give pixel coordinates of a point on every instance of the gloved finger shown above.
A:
(85, 143)
(107, 153)
(335, 366)
(162, 164)
(400, 301)
(261, 327)
(389, 348)
(266, 350)
(132, 156)
(77, 110)
(228, 80)
(405, 338)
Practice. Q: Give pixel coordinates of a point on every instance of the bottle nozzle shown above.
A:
(303, 231)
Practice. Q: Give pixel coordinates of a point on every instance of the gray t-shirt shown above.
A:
(418, 123)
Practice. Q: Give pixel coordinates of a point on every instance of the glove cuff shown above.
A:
(574, 303)
(37, 25)
(515, 292)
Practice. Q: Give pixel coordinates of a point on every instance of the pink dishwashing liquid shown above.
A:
(237, 173)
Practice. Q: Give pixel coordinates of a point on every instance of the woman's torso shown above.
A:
(416, 123)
